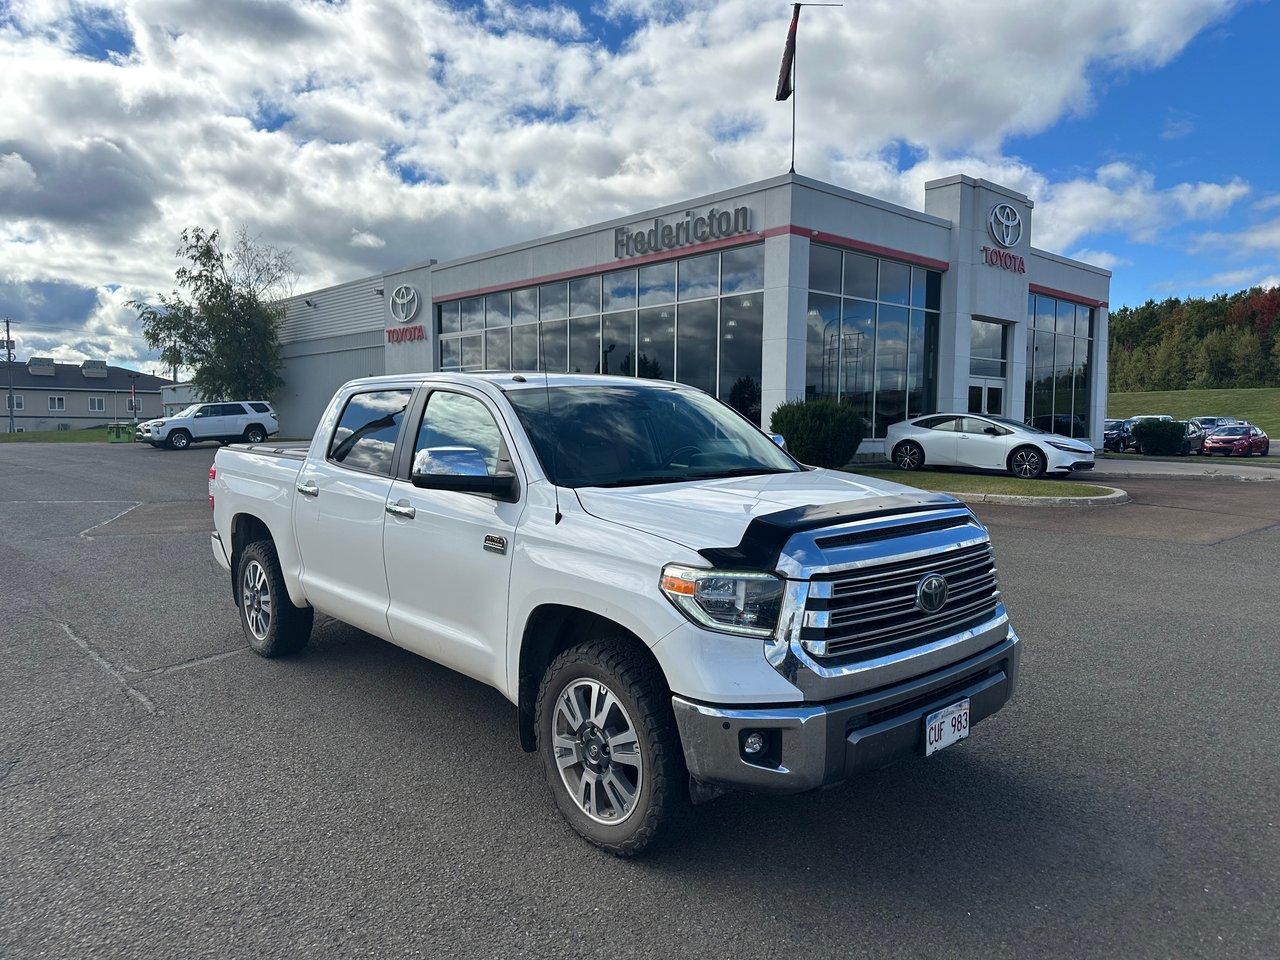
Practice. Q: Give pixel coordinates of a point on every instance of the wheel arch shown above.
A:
(260, 426)
(550, 629)
(247, 528)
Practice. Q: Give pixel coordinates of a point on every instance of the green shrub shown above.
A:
(1160, 436)
(821, 433)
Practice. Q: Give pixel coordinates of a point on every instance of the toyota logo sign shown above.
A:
(404, 303)
(931, 592)
(1005, 224)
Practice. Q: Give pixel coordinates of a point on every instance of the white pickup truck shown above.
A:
(674, 604)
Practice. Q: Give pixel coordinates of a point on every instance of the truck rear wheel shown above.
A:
(273, 626)
(610, 747)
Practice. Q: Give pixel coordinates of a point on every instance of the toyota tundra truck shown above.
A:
(674, 604)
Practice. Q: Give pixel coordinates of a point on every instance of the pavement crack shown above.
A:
(194, 662)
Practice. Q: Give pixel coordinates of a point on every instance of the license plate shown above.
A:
(944, 727)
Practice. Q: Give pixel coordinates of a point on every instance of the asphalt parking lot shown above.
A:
(165, 793)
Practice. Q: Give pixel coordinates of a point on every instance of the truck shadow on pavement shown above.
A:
(901, 831)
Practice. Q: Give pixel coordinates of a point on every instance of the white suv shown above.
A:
(249, 421)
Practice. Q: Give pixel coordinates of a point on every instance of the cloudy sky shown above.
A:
(366, 134)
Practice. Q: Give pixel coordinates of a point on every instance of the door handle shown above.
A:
(308, 489)
(401, 509)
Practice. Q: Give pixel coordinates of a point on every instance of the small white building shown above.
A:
(70, 396)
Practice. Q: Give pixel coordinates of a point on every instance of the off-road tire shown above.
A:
(178, 440)
(289, 627)
(255, 434)
(637, 682)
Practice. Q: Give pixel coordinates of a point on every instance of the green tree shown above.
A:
(1216, 364)
(222, 321)
(1247, 358)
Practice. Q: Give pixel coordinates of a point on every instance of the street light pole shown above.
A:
(8, 357)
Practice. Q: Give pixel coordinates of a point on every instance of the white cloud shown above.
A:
(303, 119)
(1101, 258)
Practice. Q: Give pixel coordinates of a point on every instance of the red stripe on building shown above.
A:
(1064, 295)
(861, 246)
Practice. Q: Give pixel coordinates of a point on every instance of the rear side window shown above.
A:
(260, 407)
(365, 437)
(938, 423)
(230, 410)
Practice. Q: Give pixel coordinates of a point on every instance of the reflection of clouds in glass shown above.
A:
(455, 420)
(370, 453)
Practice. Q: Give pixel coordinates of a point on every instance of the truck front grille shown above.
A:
(873, 610)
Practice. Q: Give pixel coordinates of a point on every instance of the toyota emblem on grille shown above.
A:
(931, 592)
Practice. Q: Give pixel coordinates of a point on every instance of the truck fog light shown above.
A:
(753, 743)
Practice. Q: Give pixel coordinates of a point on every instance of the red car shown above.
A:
(1243, 439)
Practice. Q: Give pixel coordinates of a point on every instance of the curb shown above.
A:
(1116, 496)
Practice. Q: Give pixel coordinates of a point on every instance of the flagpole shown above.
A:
(795, 49)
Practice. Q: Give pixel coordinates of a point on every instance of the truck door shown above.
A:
(448, 553)
(340, 506)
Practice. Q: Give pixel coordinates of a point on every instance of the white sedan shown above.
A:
(988, 443)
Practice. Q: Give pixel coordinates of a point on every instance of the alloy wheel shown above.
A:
(908, 456)
(180, 441)
(255, 599)
(1026, 464)
(597, 751)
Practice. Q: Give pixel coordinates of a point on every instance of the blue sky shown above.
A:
(366, 134)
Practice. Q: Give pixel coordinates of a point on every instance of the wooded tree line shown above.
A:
(1230, 340)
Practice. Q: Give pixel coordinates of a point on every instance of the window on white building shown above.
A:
(57, 404)
(17, 401)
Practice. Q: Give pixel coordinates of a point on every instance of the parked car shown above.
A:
(1116, 436)
(242, 421)
(674, 604)
(1193, 441)
(988, 443)
(1210, 424)
(1242, 440)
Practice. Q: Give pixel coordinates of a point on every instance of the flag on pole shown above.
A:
(788, 56)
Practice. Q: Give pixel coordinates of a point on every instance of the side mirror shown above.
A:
(463, 470)
(779, 439)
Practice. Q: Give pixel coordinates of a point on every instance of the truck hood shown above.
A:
(706, 514)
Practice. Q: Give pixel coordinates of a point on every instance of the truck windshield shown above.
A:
(619, 436)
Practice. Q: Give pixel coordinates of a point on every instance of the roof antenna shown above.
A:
(555, 481)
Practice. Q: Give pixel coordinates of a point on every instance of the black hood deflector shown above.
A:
(762, 542)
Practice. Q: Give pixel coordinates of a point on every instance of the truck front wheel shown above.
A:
(273, 626)
(610, 747)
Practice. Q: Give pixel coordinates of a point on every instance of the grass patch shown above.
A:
(91, 435)
(1259, 406)
(952, 481)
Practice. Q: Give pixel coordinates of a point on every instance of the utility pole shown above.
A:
(8, 357)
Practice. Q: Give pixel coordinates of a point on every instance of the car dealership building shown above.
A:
(780, 289)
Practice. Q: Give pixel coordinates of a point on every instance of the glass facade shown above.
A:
(697, 320)
(1059, 354)
(872, 335)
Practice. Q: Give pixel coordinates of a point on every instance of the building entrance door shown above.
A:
(986, 395)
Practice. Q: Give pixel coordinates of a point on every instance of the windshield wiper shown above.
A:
(738, 472)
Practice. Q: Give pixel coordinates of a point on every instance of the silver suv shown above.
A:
(247, 421)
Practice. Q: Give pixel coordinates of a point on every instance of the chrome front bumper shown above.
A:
(816, 745)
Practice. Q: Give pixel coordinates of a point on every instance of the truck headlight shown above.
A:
(731, 602)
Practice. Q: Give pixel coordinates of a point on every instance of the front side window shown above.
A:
(365, 437)
(456, 429)
(620, 436)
